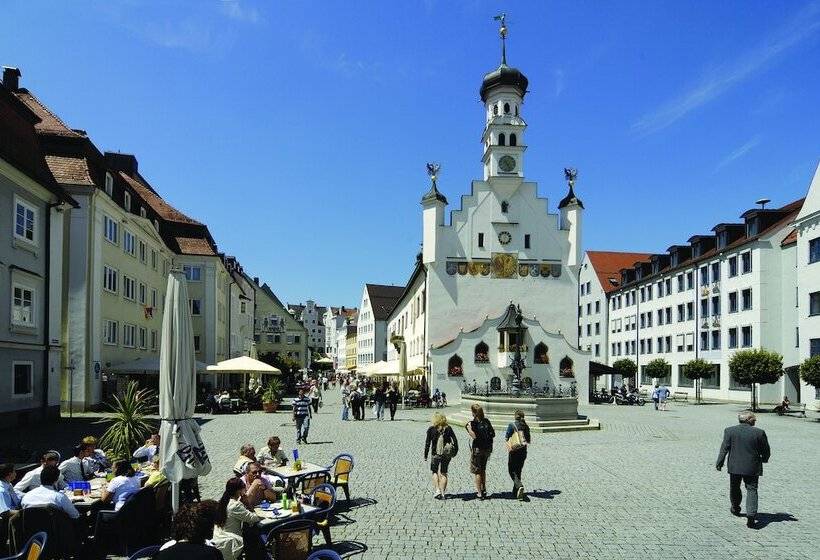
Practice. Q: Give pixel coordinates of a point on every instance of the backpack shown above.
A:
(484, 434)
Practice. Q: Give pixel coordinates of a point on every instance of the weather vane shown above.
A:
(432, 171)
(570, 174)
(502, 17)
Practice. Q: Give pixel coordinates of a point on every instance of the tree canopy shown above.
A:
(810, 371)
(657, 368)
(625, 367)
(756, 366)
(698, 369)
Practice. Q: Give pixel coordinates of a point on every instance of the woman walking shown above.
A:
(379, 398)
(392, 399)
(518, 438)
(442, 444)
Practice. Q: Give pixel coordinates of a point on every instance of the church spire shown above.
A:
(502, 17)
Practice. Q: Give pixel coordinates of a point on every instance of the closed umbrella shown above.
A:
(182, 453)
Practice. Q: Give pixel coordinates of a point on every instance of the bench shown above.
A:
(680, 396)
(797, 408)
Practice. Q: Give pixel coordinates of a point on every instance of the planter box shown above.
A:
(270, 406)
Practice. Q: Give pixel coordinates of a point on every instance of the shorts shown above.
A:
(439, 464)
(478, 460)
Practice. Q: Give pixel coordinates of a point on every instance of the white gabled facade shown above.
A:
(407, 320)
(371, 332)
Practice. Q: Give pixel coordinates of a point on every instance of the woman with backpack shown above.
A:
(482, 433)
(442, 444)
(518, 438)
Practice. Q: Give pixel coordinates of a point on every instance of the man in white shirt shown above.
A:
(31, 479)
(146, 453)
(46, 495)
(74, 468)
(9, 500)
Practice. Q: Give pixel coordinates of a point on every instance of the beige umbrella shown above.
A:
(245, 365)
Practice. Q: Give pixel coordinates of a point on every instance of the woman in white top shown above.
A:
(230, 516)
(124, 485)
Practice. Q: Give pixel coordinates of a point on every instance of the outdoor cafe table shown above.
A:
(86, 502)
(288, 474)
(276, 515)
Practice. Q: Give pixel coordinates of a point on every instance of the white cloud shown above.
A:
(800, 28)
(234, 10)
(739, 152)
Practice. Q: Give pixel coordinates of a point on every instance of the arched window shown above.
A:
(506, 108)
(482, 353)
(542, 355)
(502, 140)
(495, 384)
(455, 366)
(513, 140)
(495, 110)
(566, 367)
(505, 206)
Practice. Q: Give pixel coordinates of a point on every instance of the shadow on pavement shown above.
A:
(354, 504)
(347, 549)
(763, 519)
(543, 494)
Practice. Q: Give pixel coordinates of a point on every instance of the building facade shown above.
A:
(241, 307)
(351, 349)
(806, 239)
(276, 332)
(376, 304)
(312, 317)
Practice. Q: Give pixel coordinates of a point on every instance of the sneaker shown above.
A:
(735, 511)
(483, 496)
(750, 523)
(437, 497)
(520, 493)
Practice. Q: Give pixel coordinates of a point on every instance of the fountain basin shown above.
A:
(543, 414)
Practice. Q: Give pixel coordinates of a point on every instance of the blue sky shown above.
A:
(298, 131)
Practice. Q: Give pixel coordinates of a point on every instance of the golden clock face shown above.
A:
(506, 164)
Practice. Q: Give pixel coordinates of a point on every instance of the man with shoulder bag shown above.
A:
(481, 433)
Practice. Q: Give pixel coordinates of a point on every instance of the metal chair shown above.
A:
(33, 549)
(292, 540)
(340, 473)
(308, 482)
(323, 497)
(324, 554)
(147, 552)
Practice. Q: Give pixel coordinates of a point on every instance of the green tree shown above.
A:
(810, 371)
(696, 370)
(626, 368)
(657, 368)
(750, 367)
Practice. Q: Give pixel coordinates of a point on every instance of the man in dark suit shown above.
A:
(748, 449)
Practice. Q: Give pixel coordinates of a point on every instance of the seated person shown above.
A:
(74, 468)
(124, 485)
(257, 488)
(247, 455)
(47, 495)
(157, 476)
(97, 461)
(271, 455)
(9, 500)
(145, 454)
(224, 400)
(230, 517)
(31, 479)
(783, 406)
(193, 528)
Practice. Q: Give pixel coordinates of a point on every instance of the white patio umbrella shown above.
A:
(182, 453)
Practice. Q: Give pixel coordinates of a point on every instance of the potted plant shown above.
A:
(270, 398)
(129, 426)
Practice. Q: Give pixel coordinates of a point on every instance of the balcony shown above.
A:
(716, 288)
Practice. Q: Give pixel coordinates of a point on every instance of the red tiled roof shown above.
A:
(165, 210)
(608, 264)
(194, 246)
(49, 122)
(789, 239)
(69, 170)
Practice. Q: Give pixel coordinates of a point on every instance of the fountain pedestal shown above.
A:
(543, 414)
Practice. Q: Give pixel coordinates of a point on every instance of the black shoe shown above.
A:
(750, 522)
(735, 511)
(483, 496)
(438, 497)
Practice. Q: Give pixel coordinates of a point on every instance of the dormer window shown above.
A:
(656, 267)
(126, 201)
(696, 250)
(722, 239)
(109, 184)
(752, 227)
(156, 225)
(143, 213)
(675, 258)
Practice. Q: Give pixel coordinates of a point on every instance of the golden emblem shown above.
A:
(505, 265)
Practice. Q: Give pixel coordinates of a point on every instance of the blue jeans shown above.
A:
(302, 427)
(345, 412)
(380, 411)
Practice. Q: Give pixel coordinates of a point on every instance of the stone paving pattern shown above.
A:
(643, 487)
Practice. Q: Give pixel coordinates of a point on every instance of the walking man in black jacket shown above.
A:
(748, 449)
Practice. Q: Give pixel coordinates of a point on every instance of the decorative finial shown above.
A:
(570, 174)
(502, 31)
(433, 170)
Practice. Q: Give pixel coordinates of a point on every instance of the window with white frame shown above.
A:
(196, 306)
(746, 299)
(143, 338)
(109, 184)
(814, 303)
(129, 335)
(129, 242)
(746, 336)
(110, 279)
(153, 259)
(129, 288)
(192, 273)
(22, 305)
(814, 250)
(126, 201)
(143, 252)
(733, 337)
(143, 213)
(143, 293)
(25, 221)
(153, 339)
(153, 297)
(110, 334)
(23, 379)
(111, 230)
(746, 262)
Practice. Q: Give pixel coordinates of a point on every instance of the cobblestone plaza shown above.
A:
(643, 487)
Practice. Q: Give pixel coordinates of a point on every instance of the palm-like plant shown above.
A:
(128, 429)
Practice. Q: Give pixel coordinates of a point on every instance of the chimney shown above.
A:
(126, 163)
(11, 78)
(256, 280)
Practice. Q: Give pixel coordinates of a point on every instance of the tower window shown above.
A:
(495, 109)
(502, 140)
(505, 206)
(506, 108)
(526, 240)
(481, 240)
(516, 110)
(513, 140)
